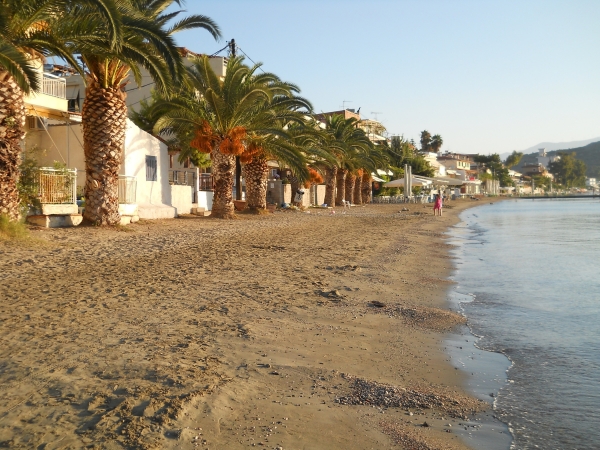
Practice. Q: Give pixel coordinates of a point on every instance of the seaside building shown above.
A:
(535, 169)
(544, 159)
(44, 110)
(374, 130)
(347, 113)
(458, 166)
(153, 182)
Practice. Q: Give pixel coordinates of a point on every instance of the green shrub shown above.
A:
(12, 230)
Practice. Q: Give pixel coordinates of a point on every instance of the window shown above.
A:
(171, 158)
(151, 168)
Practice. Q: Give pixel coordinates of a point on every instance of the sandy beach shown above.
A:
(257, 332)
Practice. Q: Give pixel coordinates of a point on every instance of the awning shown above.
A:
(374, 178)
(72, 92)
(414, 182)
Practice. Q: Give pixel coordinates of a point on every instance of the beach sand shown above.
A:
(257, 332)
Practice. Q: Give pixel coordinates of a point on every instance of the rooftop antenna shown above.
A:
(375, 114)
(344, 103)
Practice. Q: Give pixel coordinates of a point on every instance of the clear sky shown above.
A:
(489, 76)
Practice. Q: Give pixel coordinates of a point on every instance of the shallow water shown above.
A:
(528, 277)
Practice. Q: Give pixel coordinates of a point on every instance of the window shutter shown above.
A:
(151, 168)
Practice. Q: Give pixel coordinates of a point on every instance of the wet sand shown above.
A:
(258, 332)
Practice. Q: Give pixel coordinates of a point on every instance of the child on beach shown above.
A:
(437, 205)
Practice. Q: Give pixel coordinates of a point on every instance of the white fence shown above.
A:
(57, 186)
(127, 190)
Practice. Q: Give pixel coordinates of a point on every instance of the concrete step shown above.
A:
(148, 211)
(55, 221)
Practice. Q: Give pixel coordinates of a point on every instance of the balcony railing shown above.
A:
(127, 189)
(54, 86)
(57, 186)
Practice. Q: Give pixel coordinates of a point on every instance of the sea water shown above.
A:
(528, 280)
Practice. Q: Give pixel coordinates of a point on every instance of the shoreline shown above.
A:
(486, 371)
(197, 333)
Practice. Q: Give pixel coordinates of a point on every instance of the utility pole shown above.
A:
(238, 163)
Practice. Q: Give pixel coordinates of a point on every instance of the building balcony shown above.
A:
(51, 101)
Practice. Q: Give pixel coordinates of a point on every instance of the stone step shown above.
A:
(55, 221)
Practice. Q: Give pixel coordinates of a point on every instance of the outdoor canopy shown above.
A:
(414, 182)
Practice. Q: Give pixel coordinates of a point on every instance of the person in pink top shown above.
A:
(437, 205)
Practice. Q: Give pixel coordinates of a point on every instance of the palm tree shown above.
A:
(143, 40)
(367, 162)
(436, 143)
(366, 187)
(260, 149)
(342, 138)
(425, 141)
(308, 137)
(286, 146)
(26, 37)
(240, 114)
(513, 159)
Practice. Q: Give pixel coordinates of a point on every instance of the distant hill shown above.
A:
(589, 154)
(549, 146)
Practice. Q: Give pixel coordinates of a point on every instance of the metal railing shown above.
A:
(54, 86)
(127, 189)
(182, 177)
(206, 182)
(57, 186)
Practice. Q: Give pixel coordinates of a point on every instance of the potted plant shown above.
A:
(239, 205)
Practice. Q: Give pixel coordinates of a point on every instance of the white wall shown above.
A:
(181, 198)
(205, 200)
(138, 145)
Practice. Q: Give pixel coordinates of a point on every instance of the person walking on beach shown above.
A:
(437, 205)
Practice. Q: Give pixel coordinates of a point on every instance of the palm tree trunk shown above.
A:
(12, 124)
(223, 170)
(104, 119)
(350, 180)
(341, 187)
(366, 188)
(330, 179)
(357, 191)
(256, 174)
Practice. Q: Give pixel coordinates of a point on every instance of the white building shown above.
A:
(544, 159)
